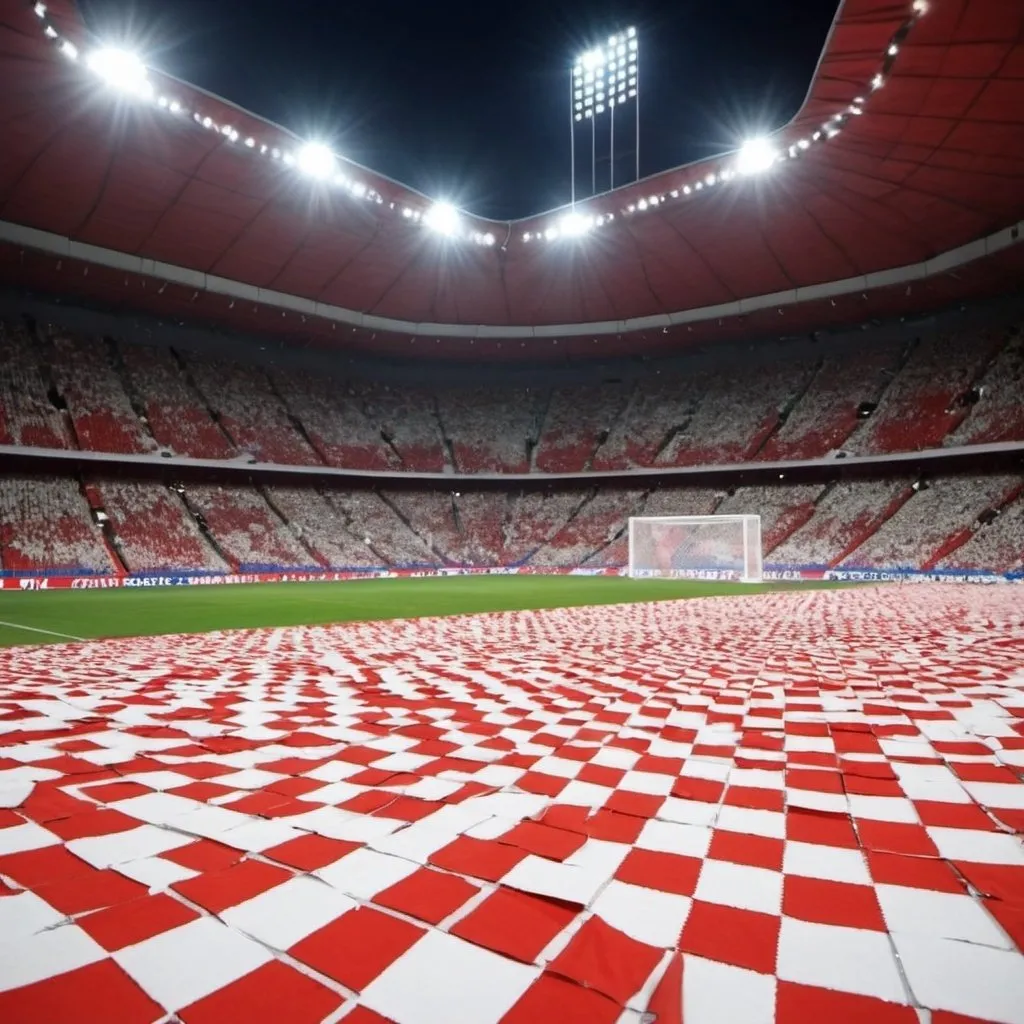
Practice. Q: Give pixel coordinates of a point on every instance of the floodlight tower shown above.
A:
(601, 79)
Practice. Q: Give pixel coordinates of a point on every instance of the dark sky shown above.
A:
(468, 101)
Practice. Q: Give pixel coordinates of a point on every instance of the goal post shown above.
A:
(696, 547)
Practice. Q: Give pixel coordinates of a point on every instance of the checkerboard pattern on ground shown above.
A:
(779, 808)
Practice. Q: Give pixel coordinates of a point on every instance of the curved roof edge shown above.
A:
(67, 248)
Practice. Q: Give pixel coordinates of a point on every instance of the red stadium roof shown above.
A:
(878, 220)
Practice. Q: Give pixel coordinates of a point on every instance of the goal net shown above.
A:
(696, 547)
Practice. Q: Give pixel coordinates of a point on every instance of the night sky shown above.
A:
(469, 102)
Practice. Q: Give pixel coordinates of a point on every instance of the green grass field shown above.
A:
(61, 615)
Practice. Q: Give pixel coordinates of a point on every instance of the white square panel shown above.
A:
(25, 914)
(740, 886)
(939, 915)
(975, 981)
(828, 863)
(646, 915)
(668, 837)
(717, 993)
(977, 846)
(30, 836)
(364, 873)
(178, 967)
(289, 912)
(442, 978)
(37, 957)
(122, 847)
(845, 959)
(750, 821)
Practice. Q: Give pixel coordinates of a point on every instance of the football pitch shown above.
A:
(61, 616)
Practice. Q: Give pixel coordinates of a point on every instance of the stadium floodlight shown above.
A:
(442, 218)
(316, 160)
(756, 156)
(726, 547)
(121, 70)
(602, 79)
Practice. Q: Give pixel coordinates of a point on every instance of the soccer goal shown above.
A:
(696, 547)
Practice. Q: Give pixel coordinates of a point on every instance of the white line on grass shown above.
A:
(48, 632)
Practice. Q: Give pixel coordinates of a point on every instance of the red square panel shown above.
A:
(514, 923)
(801, 1004)
(606, 960)
(217, 890)
(836, 903)
(481, 858)
(742, 938)
(357, 947)
(427, 895)
(551, 998)
(98, 994)
(129, 923)
(664, 872)
(269, 995)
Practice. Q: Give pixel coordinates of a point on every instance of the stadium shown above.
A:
(613, 615)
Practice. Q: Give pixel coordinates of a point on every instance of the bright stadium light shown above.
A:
(442, 218)
(573, 225)
(316, 160)
(756, 156)
(121, 70)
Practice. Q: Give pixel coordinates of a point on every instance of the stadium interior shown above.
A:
(802, 803)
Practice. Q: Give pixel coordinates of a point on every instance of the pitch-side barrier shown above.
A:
(84, 581)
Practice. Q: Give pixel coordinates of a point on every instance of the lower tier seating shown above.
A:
(105, 525)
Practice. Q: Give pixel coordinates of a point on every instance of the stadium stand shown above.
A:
(28, 416)
(335, 424)
(46, 524)
(577, 422)
(995, 542)
(101, 413)
(845, 515)
(248, 532)
(250, 412)
(882, 398)
(153, 528)
(933, 522)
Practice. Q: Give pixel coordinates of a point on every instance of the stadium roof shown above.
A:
(904, 192)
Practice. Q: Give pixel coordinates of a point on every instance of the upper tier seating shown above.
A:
(998, 414)
(175, 412)
(575, 424)
(250, 412)
(737, 415)
(27, 416)
(102, 414)
(491, 431)
(792, 402)
(922, 404)
(827, 412)
(335, 423)
(407, 419)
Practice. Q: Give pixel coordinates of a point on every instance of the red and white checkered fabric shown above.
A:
(777, 808)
